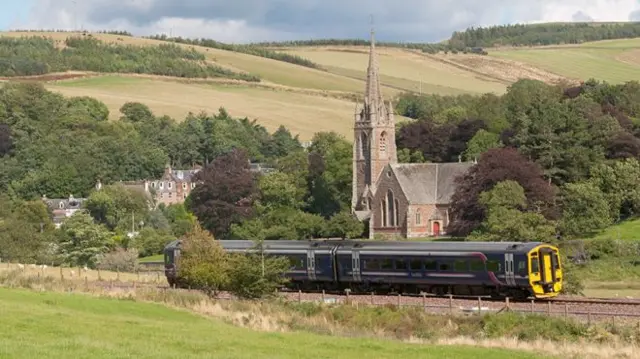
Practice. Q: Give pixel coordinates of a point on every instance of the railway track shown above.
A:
(596, 309)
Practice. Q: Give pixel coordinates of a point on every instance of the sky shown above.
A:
(242, 21)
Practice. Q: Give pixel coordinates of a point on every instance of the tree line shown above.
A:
(542, 34)
(38, 55)
(553, 162)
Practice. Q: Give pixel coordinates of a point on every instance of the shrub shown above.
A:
(254, 276)
(125, 260)
(203, 264)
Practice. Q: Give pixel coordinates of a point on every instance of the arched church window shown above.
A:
(391, 210)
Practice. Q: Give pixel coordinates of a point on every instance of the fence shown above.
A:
(478, 305)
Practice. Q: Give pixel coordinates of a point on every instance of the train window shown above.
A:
(430, 265)
(476, 265)
(416, 264)
(556, 260)
(494, 266)
(401, 264)
(535, 265)
(445, 267)
(522, 268)
(460, 266)
(371, 264)
(387, 264)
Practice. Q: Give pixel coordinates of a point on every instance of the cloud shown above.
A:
(580, 16)
(264, 20)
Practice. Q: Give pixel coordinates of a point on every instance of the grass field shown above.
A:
(302, 114)
(611, 60)
(51, 325)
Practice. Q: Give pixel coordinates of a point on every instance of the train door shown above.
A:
(534, 265)
(509, 274)
(311, 264)
(547, 267)
(355, 266)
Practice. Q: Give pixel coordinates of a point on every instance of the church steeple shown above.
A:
(374, 145)
(373, 95)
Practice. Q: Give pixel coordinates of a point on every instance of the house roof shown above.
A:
(429, 183)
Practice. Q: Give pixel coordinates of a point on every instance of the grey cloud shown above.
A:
(580, 16)
(404, 20)
(634, 15)
(260, 20)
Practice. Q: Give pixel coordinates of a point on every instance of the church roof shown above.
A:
(429, 183)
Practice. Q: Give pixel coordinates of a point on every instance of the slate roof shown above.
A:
(429, 183)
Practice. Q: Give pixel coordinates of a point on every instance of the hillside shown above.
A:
(307, 99)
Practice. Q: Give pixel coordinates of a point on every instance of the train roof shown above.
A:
(382, 246)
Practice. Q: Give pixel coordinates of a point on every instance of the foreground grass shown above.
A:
(73, 326)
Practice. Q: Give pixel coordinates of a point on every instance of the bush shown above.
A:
(204, 265)
(253, 276)
(124, 260)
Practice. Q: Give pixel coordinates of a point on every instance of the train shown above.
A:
(518, 270)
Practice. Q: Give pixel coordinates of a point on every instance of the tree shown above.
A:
(345, 226)
(584, 209)
(496, 165)
(203, 264)
(82, 240)
(481, 142)
(117, 206)
(149, 241)
(508, 219)
(136, 112)
(279, 189)
(330, 175)
(623, 145)
(619, 183)
(250, 280)
(225, 193)
(6, 142)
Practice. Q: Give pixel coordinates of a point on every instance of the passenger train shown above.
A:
(499, 269)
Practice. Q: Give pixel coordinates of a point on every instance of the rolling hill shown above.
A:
(308, 100)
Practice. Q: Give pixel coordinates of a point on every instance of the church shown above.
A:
(394, 199)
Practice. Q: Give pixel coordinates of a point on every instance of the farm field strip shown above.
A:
(301, 113)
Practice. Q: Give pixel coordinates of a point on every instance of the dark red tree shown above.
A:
(494, 166)
(623, 145)
(6, 142)
(461, 135)
(225, 193)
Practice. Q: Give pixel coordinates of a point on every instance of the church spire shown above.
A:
(373, 95)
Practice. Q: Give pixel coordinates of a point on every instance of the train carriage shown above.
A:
(511, 269)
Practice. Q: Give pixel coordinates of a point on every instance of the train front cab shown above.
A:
(545, 271)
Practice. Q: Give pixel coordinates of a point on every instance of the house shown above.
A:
(395, 199)
(63, 208)
(174, 186)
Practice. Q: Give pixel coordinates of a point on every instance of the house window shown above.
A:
(193, 185)
(184, 185)
(153, 185)
(161, 185)
(170, 194)
(184, 196)
(170, 185)
(418, 217)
